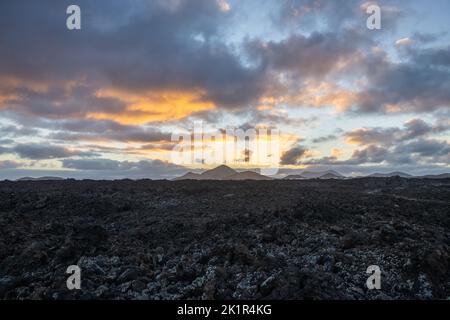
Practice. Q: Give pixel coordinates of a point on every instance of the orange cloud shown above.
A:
(336, 152)
(224, 6)
(316, 95)
(154, 107)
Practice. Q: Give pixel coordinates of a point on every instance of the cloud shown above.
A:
(371, 154)
(92, 164)
(307, 57)
(407, 145)
(89, 130)
(333, 15)
(160, 47)
(155, 169)
(366, 136)
(404, 42)
(175, 61)
(140, 69)
(328, 138)
(41, 152)
(293, 156)
(5, 141)
(412, 129)
(425, 148)
(426, 38)
(4, 165)
(17, 131)
(419, 83)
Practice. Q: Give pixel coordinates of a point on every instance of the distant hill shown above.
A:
(330, 176)
(219, 173)
(223, 173)
(188, 176)
(389, 175)
(319, 174)
(247, 175)
(41, 179)
(437, 176)
(294, 177)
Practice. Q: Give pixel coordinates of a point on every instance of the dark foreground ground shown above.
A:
(225, 240)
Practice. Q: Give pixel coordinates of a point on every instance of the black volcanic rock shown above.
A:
(311, 239)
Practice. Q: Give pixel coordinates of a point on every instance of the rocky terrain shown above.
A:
(311, 239)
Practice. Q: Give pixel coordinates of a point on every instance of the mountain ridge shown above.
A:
(390, 175)
(223, 172)
(41, 179)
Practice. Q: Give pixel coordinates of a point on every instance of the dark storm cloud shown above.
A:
(328, 138)
(5, 141)
(92, 164)
(133, 45)
(4, 165)
(371, 154)
(427, 37)
(61, 101)
(307, 57)
(16, 131)
(275, 119)
(106, 130)
(435, 57)
(143, 46)
(395, 146)
(82, 129)
(151, 146)
(416, 128)
(412, 129)
(421, 151)
(155, 169)
(372, 135)
(421, 83)
(425, 148)
(45, 151)
(336, 14)
(293, 156)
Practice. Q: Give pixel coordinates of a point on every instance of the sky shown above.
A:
(103, 102)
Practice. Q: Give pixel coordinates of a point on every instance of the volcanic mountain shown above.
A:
(223, 173)
(219, 173)
(41, 179)
(438, 176)
(330, 174)
(247, 175)
(294, 177)
(321, 174)
(391, 174)
(188, 176)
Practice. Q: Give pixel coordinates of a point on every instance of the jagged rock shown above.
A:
(129, 275)
(6, 283)
(311, 239)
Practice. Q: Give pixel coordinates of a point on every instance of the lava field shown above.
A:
(311, 239)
